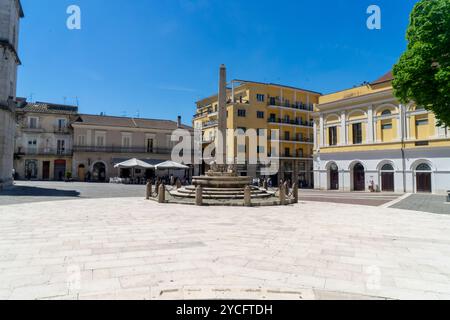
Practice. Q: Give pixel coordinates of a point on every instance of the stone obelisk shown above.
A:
(221, 141)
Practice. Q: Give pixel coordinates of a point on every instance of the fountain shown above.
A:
(221, 185)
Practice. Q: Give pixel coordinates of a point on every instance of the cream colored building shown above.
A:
(43, 141)
(103, 141)
(365, 139)
(265, 106)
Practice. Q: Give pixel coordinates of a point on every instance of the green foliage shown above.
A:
(422, 74)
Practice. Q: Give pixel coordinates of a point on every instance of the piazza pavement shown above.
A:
(130, 248)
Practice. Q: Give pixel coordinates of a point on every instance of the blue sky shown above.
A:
(157, 57)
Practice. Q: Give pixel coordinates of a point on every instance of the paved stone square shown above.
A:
(41, 191)
(425, 202)
(130, 248)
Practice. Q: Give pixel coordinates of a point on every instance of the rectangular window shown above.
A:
(260, 97)
(241, 113)
(61, 124)
(332, 136)
(81, 140)
(300, 153)
(32, 146)
(126, 141)
(100, 141)
(287, 136)
(260, 114)
(386, 126)
(272, 117)
(149, 145)
(61, 147)
(33, 123)
(287, 152)
(357, 133)
(421, 122)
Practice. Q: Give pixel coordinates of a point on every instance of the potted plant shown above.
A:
(68, 176)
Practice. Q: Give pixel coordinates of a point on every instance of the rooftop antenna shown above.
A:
(137, 114)
(31, 97)
(76, 100)
(65, 98)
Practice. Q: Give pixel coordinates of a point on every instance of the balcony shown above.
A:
(117, 149)
(61, 130)
(292, 122)
(32, 129)
(295, 140)
(287, 104)
(210, 124)
(43, 152)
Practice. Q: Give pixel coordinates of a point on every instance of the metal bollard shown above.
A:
(199, 196)
(247, 196)
(161, 194)
(178, 184)
(265, 184)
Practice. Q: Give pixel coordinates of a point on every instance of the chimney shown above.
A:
(179, 122)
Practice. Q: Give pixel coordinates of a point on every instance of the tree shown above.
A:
(422, 73)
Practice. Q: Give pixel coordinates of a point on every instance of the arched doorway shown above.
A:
(334, 176)
(359, 180)
(99, 172)
(81, 172)
(423, 178)
(387, 178)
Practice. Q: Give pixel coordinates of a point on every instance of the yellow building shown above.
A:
(271, 107)
(365, 139)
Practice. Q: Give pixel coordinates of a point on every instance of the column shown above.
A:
(401, 123)
(370, 125)
(343, 138)
(316, 144)
(322, 131)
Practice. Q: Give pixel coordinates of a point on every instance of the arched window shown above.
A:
(334, 167)
(423, 167)
(386, 112)
(387, 167)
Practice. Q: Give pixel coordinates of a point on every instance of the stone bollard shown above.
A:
(265, 184)
(148, 192)
(157, 184)
(199, 196)
(295, 192)
(247, 196)
(178, 184)
(283, 195)
(161, 194)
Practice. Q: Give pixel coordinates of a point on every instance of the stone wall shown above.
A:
(7, 129)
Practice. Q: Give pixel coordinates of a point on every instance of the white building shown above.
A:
(365, 139)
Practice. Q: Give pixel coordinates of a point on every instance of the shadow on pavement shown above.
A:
(26, 191)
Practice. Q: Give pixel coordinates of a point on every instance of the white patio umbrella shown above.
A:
(170, 165)
(134, 163)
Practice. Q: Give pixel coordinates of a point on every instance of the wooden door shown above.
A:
(387, 181)
(423, 180)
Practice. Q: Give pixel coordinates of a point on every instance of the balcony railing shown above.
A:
(61, 130)
(116, 149)
(44, 152)
(210, 124)
(305, 140)
(287, 104)
(292, 122)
